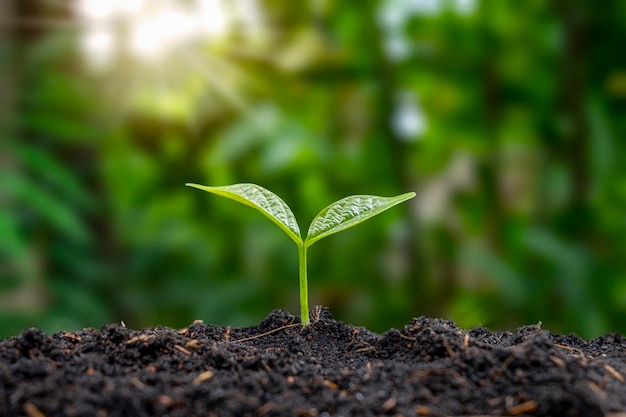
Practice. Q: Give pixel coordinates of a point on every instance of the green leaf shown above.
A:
(57, 174)
(349, 212)
(263, 200)
(46, 206)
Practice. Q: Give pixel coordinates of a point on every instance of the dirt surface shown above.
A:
(278, 368)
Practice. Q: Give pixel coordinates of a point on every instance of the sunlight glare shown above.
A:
(104, 10)
(153, 28)
(213, 18)
(99, 43)
(153, 36)
(95, 9)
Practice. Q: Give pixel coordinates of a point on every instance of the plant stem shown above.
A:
(304, 292)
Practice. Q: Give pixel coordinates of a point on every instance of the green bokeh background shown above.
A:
(506, 118)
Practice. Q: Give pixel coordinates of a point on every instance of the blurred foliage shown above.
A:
(504, 117)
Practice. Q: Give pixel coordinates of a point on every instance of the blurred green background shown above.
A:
(506, 118)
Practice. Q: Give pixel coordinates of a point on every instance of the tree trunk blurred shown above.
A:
(575, 20)
(399, 163)
(24, 262)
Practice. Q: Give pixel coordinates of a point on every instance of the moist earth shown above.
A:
(279, 368)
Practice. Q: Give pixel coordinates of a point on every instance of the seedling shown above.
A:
(339, 216)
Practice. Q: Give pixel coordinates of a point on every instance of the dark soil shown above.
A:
(278, 368)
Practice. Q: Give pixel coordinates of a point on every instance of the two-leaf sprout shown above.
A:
(339, 216)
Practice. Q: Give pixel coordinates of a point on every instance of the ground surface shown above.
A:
(277, 368)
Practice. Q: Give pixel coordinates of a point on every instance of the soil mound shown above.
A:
(279, 368)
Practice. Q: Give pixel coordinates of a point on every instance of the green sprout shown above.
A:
(338, 216)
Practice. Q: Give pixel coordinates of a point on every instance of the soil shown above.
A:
(279, 368)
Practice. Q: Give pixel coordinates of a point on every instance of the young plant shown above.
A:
(339, 216)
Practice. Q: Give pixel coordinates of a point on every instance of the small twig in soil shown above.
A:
(266, 366)
(583, 358)
(523, 408)
(351, 342)
(266, 333)
(203, 377)
(330, 384)
(570, 348)
(558, 361)
(317, 313)
(141, 338)
(448, 349)
(416, 328)
(459, 378)
(413, 339)
(614, 373)
(182, 350)
(265, 408)
(389, 404)
(365, 349)
(497, 371)
(32, 411)
(193, 344)
(595, 388)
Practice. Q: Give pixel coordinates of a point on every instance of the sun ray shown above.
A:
(134, 47)
(212, 76)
